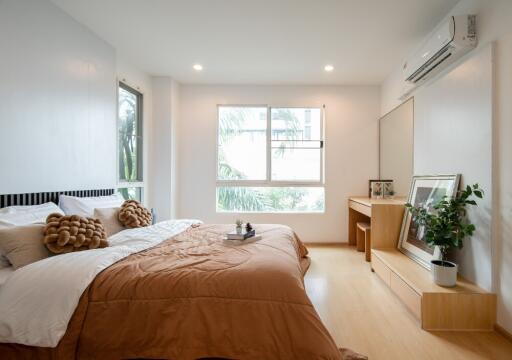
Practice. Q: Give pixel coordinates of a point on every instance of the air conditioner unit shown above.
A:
(451, 40)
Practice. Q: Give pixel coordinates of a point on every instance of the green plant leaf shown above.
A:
(447, 226)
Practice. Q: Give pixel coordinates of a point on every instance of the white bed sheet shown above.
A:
(38, 300)
(5, 272)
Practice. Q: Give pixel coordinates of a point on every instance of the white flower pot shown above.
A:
(444, 273)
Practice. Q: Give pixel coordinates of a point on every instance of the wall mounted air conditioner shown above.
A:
(450, 41)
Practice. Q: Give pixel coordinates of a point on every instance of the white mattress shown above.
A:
(5, 273)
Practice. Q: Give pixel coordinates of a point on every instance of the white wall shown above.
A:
(58, 115)
(481, 149)
(351, 151)
(175, 114)
(453, 134)
(57, 118)
(163, 156)
(502, 177)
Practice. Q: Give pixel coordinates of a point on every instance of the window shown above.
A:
(130, 143)
(270, 159)
(296, 144)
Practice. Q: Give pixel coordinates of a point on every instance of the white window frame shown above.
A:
(133, 184)
(268, 182)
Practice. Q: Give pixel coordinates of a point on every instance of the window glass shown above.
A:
(242, 143)
(131, 193)
(130, 134)
(270, 199)
(296, 144)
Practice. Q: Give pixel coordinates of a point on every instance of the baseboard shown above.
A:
(500, 330)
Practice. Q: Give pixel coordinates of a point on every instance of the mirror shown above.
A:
(396, 147)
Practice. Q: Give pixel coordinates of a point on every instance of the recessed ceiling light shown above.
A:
(329, 68)
(198, 67)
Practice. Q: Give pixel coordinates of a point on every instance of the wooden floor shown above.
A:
(363, 314)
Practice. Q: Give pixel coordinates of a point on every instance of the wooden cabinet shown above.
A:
(463, 307)
(382, 270)
(409, 297)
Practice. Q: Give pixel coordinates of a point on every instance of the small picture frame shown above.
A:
(376, 188)
(388, 191)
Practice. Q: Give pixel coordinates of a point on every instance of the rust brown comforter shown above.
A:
(197, 296)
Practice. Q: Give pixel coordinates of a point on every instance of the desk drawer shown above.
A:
(363, 209)
(381, 269)
(409, 297)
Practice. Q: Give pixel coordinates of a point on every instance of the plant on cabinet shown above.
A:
(446, 227)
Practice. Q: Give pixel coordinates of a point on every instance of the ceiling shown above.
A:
(262, 41)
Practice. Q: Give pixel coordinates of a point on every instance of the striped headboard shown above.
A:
(41, 198)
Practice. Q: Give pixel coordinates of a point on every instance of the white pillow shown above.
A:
(20, 215)
(84, 206)
(6, 210)
(27, 214)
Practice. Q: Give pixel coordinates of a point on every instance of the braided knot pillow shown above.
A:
(64, 234)
(133, 215)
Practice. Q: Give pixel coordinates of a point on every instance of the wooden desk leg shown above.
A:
(361, 240)
(352, 230)
(367, 246)
(353, 218)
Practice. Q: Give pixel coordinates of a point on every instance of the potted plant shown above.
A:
(239, 224)
(446, 227)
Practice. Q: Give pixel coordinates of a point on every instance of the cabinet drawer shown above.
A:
(360, 208)
(381, 269)
(409, 297)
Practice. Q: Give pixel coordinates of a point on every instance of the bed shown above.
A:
(174, 290)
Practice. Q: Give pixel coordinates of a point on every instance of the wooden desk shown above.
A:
(384, 215)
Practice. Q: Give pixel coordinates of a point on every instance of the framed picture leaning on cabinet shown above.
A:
(425, 191)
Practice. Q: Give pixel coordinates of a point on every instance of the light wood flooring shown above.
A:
(362, 314)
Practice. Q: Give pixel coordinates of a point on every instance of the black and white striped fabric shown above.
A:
(44, 197)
